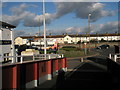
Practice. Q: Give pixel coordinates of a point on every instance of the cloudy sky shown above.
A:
(61, 17)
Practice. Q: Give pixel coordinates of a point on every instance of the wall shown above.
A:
(31, 74)
(5, 34)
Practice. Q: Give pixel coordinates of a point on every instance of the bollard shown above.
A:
(62, 55)
(81, 59)
(110, 56)
(33, 57)
(49, 56)
(21, 61)
(115, 58)
(12, 59)
(16, 57)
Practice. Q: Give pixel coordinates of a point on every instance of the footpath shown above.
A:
(72, 65)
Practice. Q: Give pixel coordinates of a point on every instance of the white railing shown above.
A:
(48, 56)
(114, 56)
(33, 57)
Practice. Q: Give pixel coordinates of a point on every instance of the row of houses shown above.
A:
(37, 40)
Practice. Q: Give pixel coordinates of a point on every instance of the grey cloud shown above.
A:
(29, 19)
(18, 10)
(81, 10)
(109, 27)
(73, 30)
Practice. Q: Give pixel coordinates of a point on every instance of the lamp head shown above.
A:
(89, 14)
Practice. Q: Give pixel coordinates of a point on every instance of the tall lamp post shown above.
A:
(45, 52)
(89, 30)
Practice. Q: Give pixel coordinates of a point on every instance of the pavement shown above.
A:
(93, 73)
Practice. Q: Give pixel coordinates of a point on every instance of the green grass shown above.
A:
(74, 53)
(70, 51)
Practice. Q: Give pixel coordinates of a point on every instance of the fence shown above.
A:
(21, 59)
(31, 74)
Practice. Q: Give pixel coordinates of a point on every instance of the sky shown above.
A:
(61, 17)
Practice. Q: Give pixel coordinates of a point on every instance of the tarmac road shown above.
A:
(93, 74)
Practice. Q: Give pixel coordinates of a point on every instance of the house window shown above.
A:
(6, 54)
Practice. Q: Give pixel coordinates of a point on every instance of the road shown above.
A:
(92, 73)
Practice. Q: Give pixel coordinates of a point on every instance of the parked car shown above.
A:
(106, 46)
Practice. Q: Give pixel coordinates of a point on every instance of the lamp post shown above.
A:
(45, 52)
(89, 15)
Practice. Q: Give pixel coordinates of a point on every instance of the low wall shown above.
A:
(31, 74)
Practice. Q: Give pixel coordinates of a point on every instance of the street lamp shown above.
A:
(89, 15)
(45, 52)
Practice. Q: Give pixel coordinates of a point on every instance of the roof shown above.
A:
(62, 36)
(4, 24)
(93, 35)
(50, 36)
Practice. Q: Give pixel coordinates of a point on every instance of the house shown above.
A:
(20, 41)
(68, 39)
(6, 40)
(37, 40)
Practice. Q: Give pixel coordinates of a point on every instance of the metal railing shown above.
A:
(21, 59)
(48, 56)
(114, 56)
